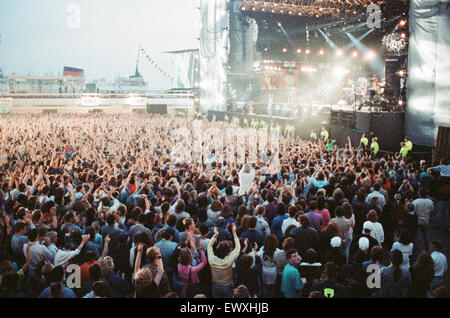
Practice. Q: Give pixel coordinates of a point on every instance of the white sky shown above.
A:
(35, 36)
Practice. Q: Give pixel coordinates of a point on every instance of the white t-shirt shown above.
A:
(288, 222)
(246, 181)
(440, 263)
(377, 232)
(424, 207)
(406, 250)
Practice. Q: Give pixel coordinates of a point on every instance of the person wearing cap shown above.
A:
(336, 254)
(364, 244)
(367, 228)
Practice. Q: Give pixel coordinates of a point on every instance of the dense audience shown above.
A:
(97, 206)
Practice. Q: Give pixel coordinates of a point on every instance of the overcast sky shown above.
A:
(41, 36)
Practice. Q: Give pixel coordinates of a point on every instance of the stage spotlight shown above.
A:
(266, 49)
(254, 8)
(284, 50)
(355, 54)
(371, 55)
(299, 51)
(263, 9)
(308, 51)
(400, 103)
(339, 72)
(402, 22)
(321, 52)
(403, 35)
(243, 8)
(299, 13)
(279, 24)
(339, 52)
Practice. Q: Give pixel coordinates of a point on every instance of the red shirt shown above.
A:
(84, 271)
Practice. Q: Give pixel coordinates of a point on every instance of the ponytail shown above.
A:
(397, 260)
(56, 290)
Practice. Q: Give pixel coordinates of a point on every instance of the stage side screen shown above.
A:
(429, 71)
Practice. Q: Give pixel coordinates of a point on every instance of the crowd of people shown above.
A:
(95, 206)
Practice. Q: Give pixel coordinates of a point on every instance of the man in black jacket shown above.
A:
(328, 287)
(354, 247)
(305, 237)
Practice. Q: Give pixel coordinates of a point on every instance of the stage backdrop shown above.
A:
(429, 70)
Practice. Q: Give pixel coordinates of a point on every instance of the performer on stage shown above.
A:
(364, 141)
(403, 150)
(374, 146)
(324, 134)
(313, 135)
(408, 144)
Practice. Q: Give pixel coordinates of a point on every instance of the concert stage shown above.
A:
(341, 121)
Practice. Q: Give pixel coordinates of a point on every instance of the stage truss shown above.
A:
(307, 7)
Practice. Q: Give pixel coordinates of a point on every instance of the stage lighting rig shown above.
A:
(307, 7)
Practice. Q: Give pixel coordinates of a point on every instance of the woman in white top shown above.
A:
(377, 229)
(246, 177)
(405, 246)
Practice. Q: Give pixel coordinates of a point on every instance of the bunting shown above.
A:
(155, 65)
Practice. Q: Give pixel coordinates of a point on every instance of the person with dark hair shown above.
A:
(95, 274)
(100, 289)
(167, 247)
(328, 287)
(247, 275)
(395, 281)
(139, 226)
(377, 194)
(116, 234)
(291, 282)
(343, 224)
(315, 219)
(278, 220)
(405, 246)
(441, 292)
(410, 221)
(310, 269)
(188, 273)
(11, 286)
(253, 235)
(269, 266)
(241, 292)
(352, 275)
(271, 208)
(221, 264)
(18, 240)
(423, 209)
(38, 251)
(291, 220)
(305, 237)
(422, 274)
(440, 264)
(57, 288)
